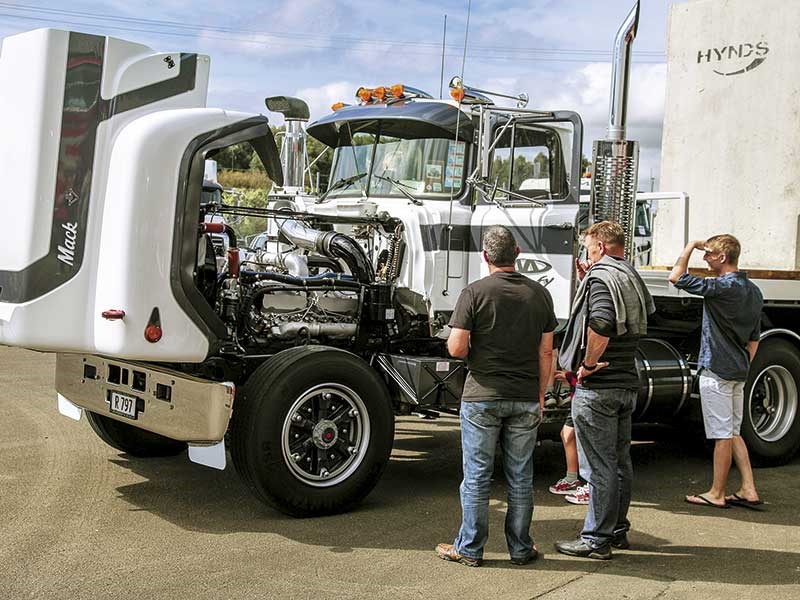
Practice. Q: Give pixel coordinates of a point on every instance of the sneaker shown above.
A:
(564, 398)
(620, 542)
(550, 400)
(528, 558)
(563, 487)
(448, 552)
(581, 495)
(584, 550)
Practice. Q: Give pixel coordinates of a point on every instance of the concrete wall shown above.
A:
(732, 129)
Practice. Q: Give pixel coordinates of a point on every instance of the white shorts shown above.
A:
(723, 406)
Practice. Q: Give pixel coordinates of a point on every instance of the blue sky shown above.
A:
(558, 51)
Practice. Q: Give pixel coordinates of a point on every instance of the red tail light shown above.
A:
(153, 332)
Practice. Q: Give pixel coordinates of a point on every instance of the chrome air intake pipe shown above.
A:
(331, 244)
(293, 150)
(615, 160)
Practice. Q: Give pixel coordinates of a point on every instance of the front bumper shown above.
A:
(169, 403)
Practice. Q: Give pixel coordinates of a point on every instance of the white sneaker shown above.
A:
(581, 495)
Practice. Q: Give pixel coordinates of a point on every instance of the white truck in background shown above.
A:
(298, 360)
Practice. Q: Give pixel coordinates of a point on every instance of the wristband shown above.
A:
(587, 367)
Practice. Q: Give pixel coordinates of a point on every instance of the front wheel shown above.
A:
(771, 423)
(313, 431)
(132, 440)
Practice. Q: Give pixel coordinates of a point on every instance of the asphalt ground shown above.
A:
(80, 520)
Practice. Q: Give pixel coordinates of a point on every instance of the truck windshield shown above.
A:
(430, 168)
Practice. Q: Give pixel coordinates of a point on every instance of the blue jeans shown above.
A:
(514, 423)
(603, 432)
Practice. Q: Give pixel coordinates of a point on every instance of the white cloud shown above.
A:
(320, 98)
(587, 90)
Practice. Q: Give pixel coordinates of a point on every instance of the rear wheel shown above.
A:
(313, 431)
(771, 424)
(132, 440)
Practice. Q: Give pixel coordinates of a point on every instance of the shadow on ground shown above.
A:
(416, 505)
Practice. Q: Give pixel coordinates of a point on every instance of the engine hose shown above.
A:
(221, 228)
(353, 255)
(315, 260)
(331, 244)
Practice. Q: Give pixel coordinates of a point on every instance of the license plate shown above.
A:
(120, 404)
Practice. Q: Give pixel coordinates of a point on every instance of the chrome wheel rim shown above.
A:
(325, 435)
(773, 403)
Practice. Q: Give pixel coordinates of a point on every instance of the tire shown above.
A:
(312, 431)
(132, 440)
(771, 423)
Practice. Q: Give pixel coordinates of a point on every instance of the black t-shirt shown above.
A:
(506, 314)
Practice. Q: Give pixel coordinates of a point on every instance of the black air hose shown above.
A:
(353, 255)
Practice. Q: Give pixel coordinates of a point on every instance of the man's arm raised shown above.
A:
(682, 264)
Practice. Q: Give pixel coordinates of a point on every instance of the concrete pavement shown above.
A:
(81, 520)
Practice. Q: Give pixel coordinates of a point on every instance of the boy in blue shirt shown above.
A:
(728, 342)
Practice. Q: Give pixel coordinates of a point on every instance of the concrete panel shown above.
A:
(732, 129)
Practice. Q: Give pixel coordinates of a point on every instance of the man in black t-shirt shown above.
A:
(503, 325)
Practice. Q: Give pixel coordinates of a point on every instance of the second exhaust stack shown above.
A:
(615, 160)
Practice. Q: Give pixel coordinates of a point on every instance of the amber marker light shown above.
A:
(364, 94)
(337, 106)
(379, 93)
(457, 93)
(397, 90)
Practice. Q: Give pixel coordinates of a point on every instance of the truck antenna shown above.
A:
(449, 230)
(441, 74)
(466, 35)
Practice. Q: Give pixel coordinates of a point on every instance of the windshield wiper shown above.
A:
(489, 191)
(341, 184)
(401, 187)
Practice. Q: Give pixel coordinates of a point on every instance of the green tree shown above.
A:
(238, 156)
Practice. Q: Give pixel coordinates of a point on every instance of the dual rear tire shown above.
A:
(771, 423)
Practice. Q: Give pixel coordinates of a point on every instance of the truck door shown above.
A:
(529, 181)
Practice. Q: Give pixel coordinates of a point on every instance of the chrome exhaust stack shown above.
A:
(293, 150)
(615, 160)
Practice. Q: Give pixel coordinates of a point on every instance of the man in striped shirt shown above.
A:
(607, 319)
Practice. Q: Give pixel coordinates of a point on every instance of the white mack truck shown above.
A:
(298, 358)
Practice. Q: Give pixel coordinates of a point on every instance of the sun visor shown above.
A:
(408, 120)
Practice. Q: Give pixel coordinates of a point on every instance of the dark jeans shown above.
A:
(603, 432)
(482, 425)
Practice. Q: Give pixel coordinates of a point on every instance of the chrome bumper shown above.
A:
(170, 403)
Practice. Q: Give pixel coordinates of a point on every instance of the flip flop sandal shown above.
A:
(705, 502)
(737, 500)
